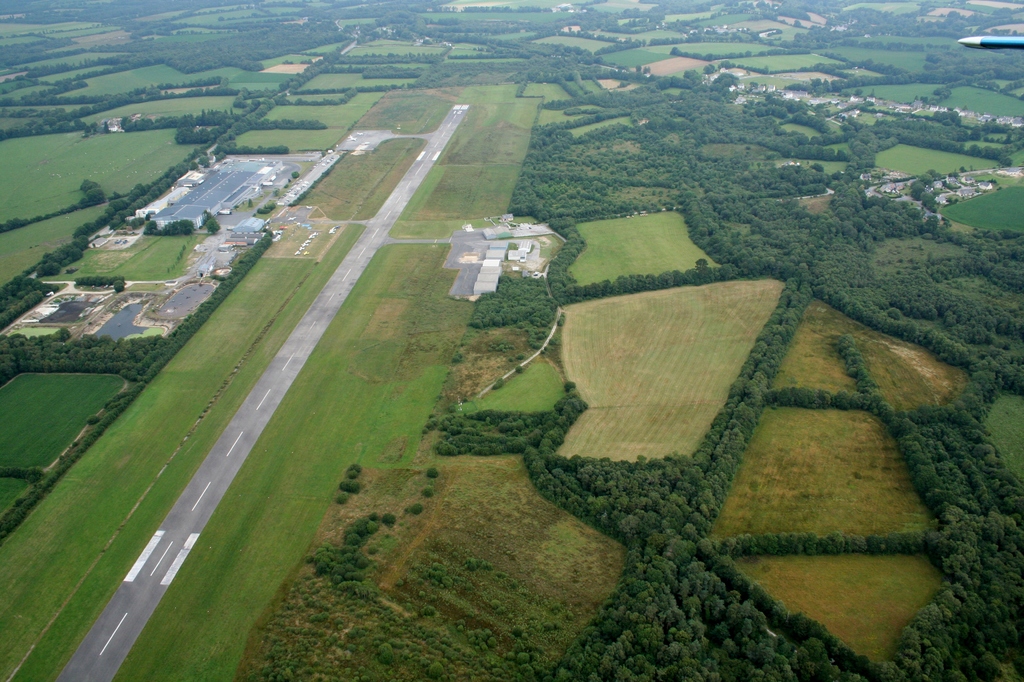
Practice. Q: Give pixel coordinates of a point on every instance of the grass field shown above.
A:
(371, 383)
(821, 471)
(583, 130)
(917, 160)
(569, 41)
(41, 564)
(864, 600)
(804, 130)
(993, 211)
(889, 7)
(149, 258)
(477, 171)
(22, 248)
(547, 567)
(907, 375)
(549, 91)
(295, 140)
(911, 61)
(537, 389)
(900, 93)
(339, 120)
(717, 50)
(1005, 422)
(384, 47)
(656, 367)
(44, 412)
(410, 112)
(167, 107)
(332, 81)
(785, 62)
(125, 81)
(555, 116)
(358, 185)
(10, 488)
(636, 57)
(647, 245)
(984, 101)
(43, 173)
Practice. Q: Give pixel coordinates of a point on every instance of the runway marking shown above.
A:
(434, 157)
(332, 297)
(420, 156)
(144, 557)
(201, 495)
(289, 360)
(161, 559)
(113, 633)
(180, 559)
(361, 253)
(346, 275)
(232, 448)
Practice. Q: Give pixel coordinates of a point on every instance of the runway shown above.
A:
(111, 637)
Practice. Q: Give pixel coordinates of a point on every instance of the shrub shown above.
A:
(432, 472)
(428, 611)
(498, 384)
(414, 509)
(428, 492)
(435, 670)
(388, 519)
(349, 486)
(353, 471)
(385, 654)
(342, 498)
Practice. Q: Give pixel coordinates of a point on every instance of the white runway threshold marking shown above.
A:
(113, 633)
(434, 157)
(201, 495)
(420, 157)
(180, 559)
(144, 557)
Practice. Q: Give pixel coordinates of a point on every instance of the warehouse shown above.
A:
(222, 189)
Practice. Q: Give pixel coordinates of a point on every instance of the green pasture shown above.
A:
(512, 4)
(999, 210)
(381, 48)
(22, 248)
(916, 160)
(10, 489)
(643, 245)
(782, 63)
(166, 107)
(295, 140)
(583, 130)
(342, 116)
(44, 172)
(616, 6)
(371, 381)
(900, 93)
(636, 57)
(1005, 423)
(125, 81)
(549, 91)
(537, 389)
(257, 80)
(286, 59)
(669, 18)
(555, 116)
(148, 259)
(64, 75)
(52, 551)
(337, 81)
(797, 128)
(910, 61)
(569, 41)
(44, 412)
(326, 49)
(32, 332)
(725, 19)
(13, 29)
(715, 50)
(984, 101)
(887, 7)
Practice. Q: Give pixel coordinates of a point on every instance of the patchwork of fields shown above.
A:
(676, 353)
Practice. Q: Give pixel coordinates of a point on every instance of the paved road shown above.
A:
(111, 638)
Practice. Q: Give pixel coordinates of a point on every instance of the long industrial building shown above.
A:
(224, 188)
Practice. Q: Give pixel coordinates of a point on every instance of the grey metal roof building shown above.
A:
(222, 189)
(248, 226)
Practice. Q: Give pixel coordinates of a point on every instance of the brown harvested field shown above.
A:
(359, 185)
(286, 68)
(864, 600)
(907, 375)
(821, 471)
(667, 67)
(548, 574)
(656, 367)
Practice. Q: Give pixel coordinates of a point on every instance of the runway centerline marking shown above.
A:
(161, 559)
(201, 495)
(257, 407)
(232, 448)
(286, 364)
(113, 633)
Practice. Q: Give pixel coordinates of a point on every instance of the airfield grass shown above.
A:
(547, 567)
(993, 211)
(167, 107)
(43, 173)
(917, 160)
(910, 61)
(22, 248)
(549, 91)
(907, 375)
(10, 489)
(570, 41)
(295, 140)
(425, 229)
(583, 130)
(460, 192)
(364, 395)
(43, 561)
(1005, 422)
(44, 412)
(797, 128)
(148, 259)
(410, 112)
(821, 471)
(359, 185)
(864, 600)
(656, 367)
(537, 389)
(786, 62)
(647, 245)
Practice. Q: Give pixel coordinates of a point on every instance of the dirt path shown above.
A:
(524, 363)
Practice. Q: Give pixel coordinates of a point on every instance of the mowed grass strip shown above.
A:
(41, 564)
(917, 160)
(864, 600)
(821, 471)
(44, 172)
(1005, 423)
(44, 412)
(656, 367)
(372, 380)
(149, 258)
(907, 375)
(537, 389)
(993, 211)
(359, 185)
(647, 245)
